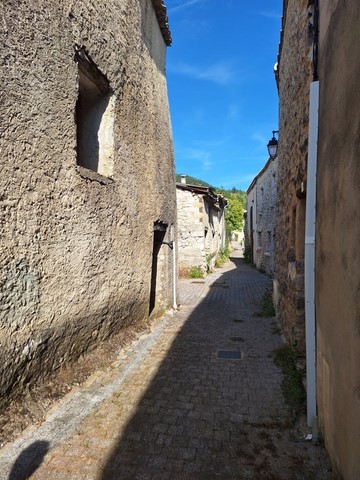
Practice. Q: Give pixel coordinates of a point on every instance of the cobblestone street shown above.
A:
(171, 408)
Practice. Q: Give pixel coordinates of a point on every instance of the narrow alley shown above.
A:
(198, 398)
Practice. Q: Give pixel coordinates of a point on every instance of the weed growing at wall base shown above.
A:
(247, 254)
(223, 255)
(196, 272)
(267, 306)
(292, 386)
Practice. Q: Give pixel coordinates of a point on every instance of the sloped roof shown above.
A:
(160, 10)
(217, 200)
(252, 184)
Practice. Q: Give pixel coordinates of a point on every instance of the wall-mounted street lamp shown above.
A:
(272, 146)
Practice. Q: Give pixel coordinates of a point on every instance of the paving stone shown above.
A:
(184, 414)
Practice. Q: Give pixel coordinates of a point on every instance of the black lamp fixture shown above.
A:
(272, 146)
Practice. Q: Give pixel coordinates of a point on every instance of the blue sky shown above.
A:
(222, 91)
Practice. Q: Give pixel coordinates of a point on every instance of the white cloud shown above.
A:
(202, 156)
(258, 137)
(213, 143)
(236, 180)
(275, 16)
(218, 73)
(183, 5)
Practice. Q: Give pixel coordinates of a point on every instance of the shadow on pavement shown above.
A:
(203, 417)
(29, 460)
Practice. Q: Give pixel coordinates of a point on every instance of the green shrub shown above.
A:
(219, 262)
(196, 272)
(224, 253)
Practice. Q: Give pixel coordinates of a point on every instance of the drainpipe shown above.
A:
(310, 319)
(174, 279)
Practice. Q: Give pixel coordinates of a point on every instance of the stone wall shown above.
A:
(201, 229)
(294, 77)
(191, 246)
(250, 222)
(261, 200)
(337, 236)
(76, 249)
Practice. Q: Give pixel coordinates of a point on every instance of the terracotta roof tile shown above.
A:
(160, 10)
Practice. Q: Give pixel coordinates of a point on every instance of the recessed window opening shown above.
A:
(269, 240)
(94, 117)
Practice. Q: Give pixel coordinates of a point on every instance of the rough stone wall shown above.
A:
(294, 77)
(266, 191)
(337, 236)
(200, 231)
(76, 248)
(251, 221)
(191, 244)
(214, 239)
(262, 197)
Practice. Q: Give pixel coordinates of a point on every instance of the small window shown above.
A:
(94, 117)
(269, 240)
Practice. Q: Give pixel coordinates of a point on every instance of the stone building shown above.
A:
(260, 218)
(201, 226)
(87, 178)
(294, 74)
(318, 92)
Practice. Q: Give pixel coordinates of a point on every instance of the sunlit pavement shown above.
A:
(198, 398)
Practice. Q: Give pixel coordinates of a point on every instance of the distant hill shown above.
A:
(196, 181)
(193, 181)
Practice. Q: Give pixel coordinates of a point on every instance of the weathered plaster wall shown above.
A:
(338, 233)
(295, 75)
(76, 252)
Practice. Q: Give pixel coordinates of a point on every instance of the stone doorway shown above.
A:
(158, 238)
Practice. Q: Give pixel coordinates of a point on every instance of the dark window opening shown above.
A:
(94, 117)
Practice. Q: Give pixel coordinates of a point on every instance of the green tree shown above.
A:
(234, 213)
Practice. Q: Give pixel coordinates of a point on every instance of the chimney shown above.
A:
(183, 179)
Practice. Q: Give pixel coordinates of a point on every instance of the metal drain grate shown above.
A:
(198, 281)
(229, 354)
(237, 339)
(238, 320)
